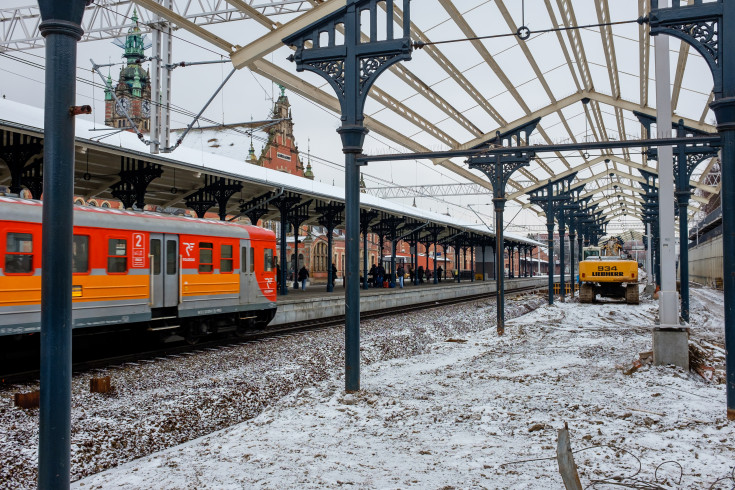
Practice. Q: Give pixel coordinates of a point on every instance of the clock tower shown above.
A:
(133, 89)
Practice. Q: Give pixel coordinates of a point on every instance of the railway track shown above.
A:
(26, 376)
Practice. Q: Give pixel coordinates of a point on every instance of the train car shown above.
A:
(170, 274)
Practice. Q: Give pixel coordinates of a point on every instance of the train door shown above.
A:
(248, 281)
(164, 255)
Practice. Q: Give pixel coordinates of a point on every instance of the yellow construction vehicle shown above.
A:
(610, 276)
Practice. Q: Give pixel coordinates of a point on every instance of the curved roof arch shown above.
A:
(584, 69)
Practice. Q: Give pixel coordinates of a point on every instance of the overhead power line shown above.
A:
(524, 33)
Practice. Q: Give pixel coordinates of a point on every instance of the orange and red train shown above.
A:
(171, 274)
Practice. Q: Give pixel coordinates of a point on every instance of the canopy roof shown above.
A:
(585, 68)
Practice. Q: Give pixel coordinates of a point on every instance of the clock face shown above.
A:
(122, 105)
(145, 108)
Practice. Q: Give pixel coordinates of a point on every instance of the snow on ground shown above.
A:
(166, 402)
(480, 411)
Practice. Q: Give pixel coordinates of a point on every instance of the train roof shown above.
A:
(26, 210)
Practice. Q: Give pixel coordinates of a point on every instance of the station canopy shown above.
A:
(585, 68)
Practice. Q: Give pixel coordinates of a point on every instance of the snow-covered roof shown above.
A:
(31, 119)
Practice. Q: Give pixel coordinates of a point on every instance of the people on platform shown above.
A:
(380, 271)
(334, 274)
(439, 271)
(401, 273)
(303, 275)
(411, 273)
(421, 274)
(372, 275)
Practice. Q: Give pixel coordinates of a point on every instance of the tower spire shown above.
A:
(308, 174)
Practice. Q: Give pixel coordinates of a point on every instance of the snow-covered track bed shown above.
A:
(162, 402)
(101, 355)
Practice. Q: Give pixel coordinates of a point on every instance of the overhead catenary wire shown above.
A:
(421, 44)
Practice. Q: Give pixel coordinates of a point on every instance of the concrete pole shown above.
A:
(670, 342)
(668, 301)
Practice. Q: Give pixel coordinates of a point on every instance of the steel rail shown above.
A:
(256, 335)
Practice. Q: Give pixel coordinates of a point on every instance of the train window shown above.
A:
(117, 255)
(243, 259)
(156, 256)
(252, 260)
(19, 253)
(205, 257)
(80, 254)
(268, 259)
(225, 258)
(171, 264)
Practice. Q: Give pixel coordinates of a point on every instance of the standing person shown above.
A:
(421, 274)
(439, 271)
(381, 274)
(334, 274)
(303, 275)
(371, 275)
(401, 273)
(410, 273)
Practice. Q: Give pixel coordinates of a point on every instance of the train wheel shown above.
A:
(244, 327)
(194, 331)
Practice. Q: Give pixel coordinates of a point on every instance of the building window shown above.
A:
(206, 253)
(80, 254)
(117, 256)
(19, 253)
(225, 261)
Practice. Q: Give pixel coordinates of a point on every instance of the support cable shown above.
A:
(196, 118)
(523, 34)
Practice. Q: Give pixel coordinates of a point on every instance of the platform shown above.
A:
(315, 302)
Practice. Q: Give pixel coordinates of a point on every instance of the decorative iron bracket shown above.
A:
(256, 208)
(135, 176)
(351, 67)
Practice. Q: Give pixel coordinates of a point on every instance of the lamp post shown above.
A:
(351, 69)
(498, 169)
(61, 27)
(549, 198)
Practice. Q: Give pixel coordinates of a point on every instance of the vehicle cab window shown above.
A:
(206, 257)
(80, 254)
(19, 253)
(268, 259)
(117, 256)
(225, 260)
